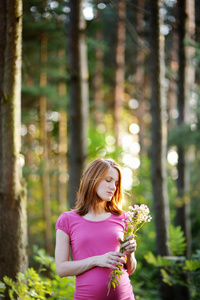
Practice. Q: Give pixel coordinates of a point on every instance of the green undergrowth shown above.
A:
(41, 284)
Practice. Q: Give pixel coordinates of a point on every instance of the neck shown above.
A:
(99, 209)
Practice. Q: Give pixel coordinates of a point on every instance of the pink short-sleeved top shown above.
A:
(91, 238)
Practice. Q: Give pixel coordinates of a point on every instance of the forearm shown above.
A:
(110, 260)
(74, 268)
(131, 263)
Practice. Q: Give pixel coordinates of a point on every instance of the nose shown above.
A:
(112, 185)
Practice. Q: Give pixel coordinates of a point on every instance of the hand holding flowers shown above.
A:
(137, 216)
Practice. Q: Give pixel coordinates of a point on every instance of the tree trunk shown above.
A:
(197, 35)
(78, 94)
(159, 139)
(98, 76)
(119, 73)
(62, 190)
(13, 215)
(172, 92)
(44, 158)
(159, 133)
(2, 50)
(186, 78)
(140, 77)
(62, 164)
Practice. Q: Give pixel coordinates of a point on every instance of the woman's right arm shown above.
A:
(65, 267)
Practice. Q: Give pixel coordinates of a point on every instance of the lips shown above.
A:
(110, 193)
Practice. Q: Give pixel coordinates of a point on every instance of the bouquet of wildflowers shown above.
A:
(137, 216)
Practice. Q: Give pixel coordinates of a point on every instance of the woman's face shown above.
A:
(107, 186)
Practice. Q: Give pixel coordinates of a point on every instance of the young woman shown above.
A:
(92, 231)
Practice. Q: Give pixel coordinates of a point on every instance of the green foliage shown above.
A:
(145, 280)
(61, 288)
(114, 279)
(177, 240)
(174, 269)
(28, 285)
(193, 266)
(161, 261)
(2, 289)
(39, 285)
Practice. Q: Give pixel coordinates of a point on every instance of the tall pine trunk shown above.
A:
(98, 75)
(186, 78)
(185, 83)
(172, 97)
(119, 72)
(140, 76)
(62, 164)
(13, 215)
(159, 139)
(78, 98)
(44, 158)
(62, 186)
(159, 133)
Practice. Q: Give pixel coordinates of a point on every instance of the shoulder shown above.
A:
(119, 218)
(63, 221)
(122, 218)
(65, 215)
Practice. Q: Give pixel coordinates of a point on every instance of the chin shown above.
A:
(108, 200)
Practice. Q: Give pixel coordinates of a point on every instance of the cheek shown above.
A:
(100, 187)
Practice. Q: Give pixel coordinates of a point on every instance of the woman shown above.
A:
(93, 231)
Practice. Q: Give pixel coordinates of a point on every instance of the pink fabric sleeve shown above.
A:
(62, 223)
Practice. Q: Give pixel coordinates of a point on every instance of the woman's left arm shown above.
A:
(130, 246)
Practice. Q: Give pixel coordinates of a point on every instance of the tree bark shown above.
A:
(44, 158)
(186, 79)
(2, 50)
(159, 133)
(98, 76)
(172, 92)
(140, 77)
(159, 139)
(13, 215)
(197, 35)
(62, 191)
(62, 164)
(119, 73)
(78, 98)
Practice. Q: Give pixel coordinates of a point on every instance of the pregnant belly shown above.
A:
(93, 284)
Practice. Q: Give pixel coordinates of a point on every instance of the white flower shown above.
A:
(136, 217)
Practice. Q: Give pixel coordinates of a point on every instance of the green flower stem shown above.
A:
(115, 274)
(137, 217)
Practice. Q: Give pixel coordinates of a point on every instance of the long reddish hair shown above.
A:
(87, 197)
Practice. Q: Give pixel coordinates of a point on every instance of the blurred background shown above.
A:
(117, 79)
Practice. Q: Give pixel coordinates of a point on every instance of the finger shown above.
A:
(124, 245)
(128, 242)
(117, 258)
(120, 240)
(131, 248)
(118, 254)
(130, 237)
(113, 264)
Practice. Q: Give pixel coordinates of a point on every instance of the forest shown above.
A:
(83, 79)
